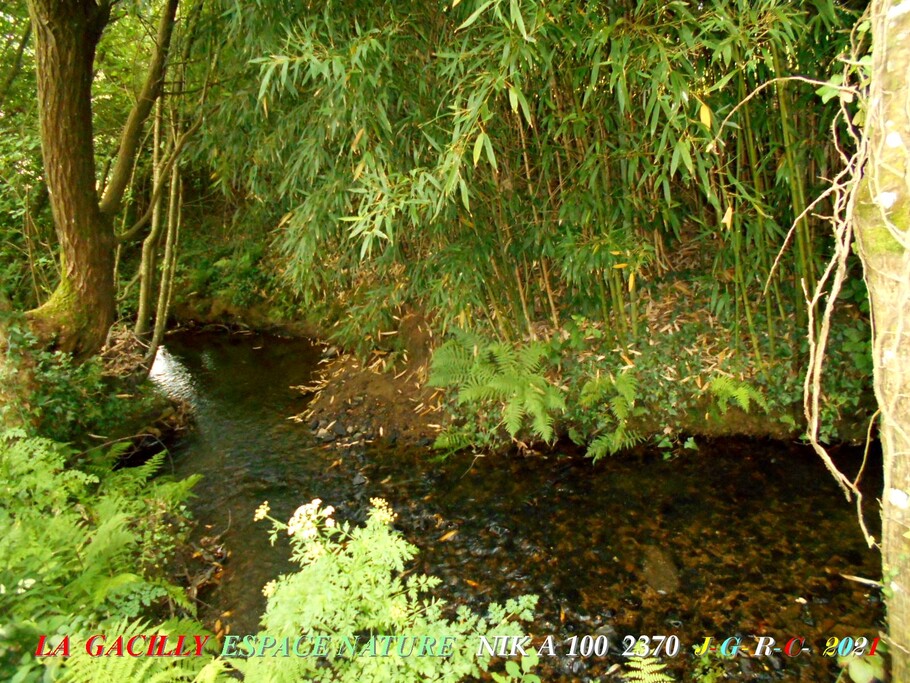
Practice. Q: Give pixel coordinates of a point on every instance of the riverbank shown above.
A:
(703, 391)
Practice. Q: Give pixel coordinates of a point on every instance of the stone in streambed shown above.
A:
(659, 571)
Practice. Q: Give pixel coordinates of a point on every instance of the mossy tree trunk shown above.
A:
(881, 219)
(79, 313)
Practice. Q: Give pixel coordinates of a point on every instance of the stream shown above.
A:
(741, 538)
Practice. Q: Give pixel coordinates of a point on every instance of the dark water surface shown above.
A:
(739, 539)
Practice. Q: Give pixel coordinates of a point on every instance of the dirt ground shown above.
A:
(384, 398)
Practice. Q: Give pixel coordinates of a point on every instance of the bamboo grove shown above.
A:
(508, 164)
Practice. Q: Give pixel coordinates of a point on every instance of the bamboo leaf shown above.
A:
(488, 148)
(517, 19)
(513, 99)
(463, 187)
(704, 114)
(475, 16)
(478, 146)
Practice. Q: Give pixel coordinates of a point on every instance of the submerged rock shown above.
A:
(659, 571)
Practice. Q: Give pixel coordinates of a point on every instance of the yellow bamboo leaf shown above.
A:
(456, 3)
(446, 536)
(632, 281)
(359, 170)
(705, 115)
(728, 218)
(357, 140)
(620, 266)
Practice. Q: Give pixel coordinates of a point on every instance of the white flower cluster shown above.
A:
(261, 512)
(21, 587)
(303, 522)
(382, 511)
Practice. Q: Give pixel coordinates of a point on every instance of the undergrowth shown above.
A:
(82, 545)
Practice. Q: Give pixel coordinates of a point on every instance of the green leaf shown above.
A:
(517, 19)
(475, 15)
(488, 148)
(866, 669)
(478, 146)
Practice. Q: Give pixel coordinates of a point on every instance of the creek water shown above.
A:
(742, 538)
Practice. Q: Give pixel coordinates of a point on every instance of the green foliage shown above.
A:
(646, 670)
(66, 399)
(501, 378)
(865, 669)
(82, 667)
(520, 674)
(726, 390)
(502, 164)
(350, 582)
(612, 403)
(709, 668)
(81, 544)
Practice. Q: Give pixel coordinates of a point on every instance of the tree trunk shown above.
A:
(80, 312)
(148, 263)
(881, 220)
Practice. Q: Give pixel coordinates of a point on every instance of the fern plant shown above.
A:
(647, 670)
(80, 544)
(726, 390)
(82, 667)
(499, 378)
(611, 404)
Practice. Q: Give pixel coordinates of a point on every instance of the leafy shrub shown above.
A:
(350, 583)
(65, 400)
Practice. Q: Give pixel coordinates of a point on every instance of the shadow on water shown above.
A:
(743, 538)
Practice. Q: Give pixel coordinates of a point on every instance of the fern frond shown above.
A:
(647, 670)
(726, 389)
(81, 667)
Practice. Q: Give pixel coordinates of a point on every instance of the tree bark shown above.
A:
(80, 312)
(881, 219)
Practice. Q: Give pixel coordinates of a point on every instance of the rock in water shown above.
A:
(659, 571)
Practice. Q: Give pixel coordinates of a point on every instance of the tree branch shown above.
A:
(156, 193)
(129, 141)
